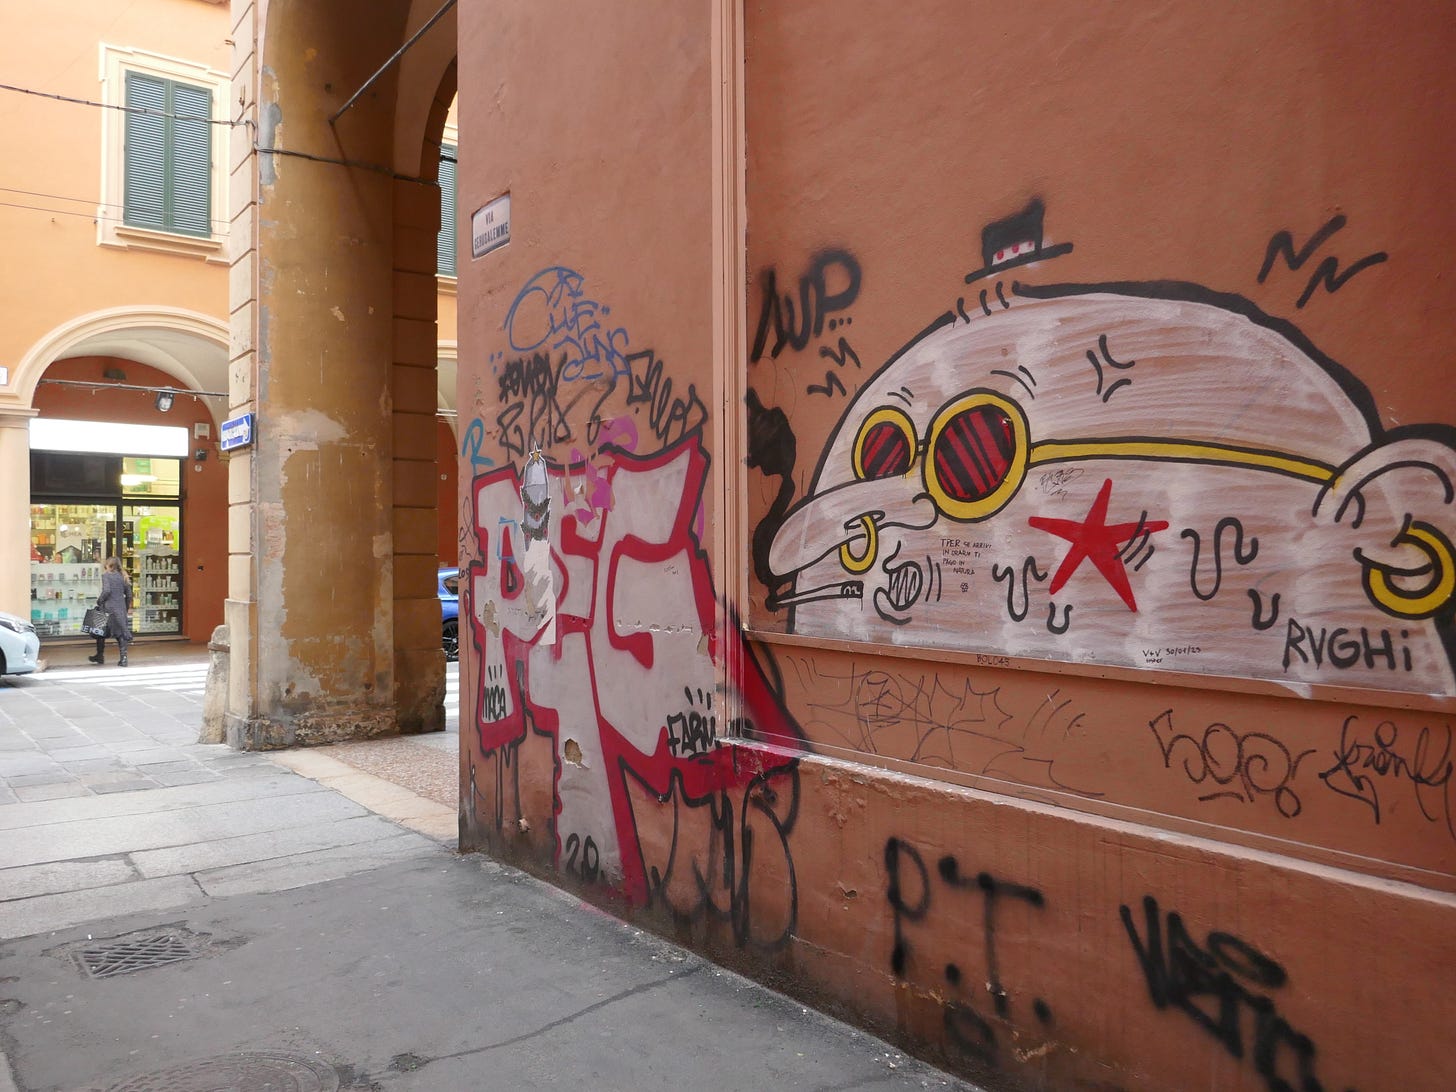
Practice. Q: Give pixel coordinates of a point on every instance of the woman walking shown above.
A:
(115, 600)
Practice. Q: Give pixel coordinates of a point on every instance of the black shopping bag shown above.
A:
(96, 622)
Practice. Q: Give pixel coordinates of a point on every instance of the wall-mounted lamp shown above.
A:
(164, 401)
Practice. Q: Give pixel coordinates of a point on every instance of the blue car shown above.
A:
(449, 591)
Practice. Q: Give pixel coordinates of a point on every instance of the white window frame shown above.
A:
(116, 62)
(444, 284)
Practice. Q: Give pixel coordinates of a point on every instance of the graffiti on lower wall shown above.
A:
(938, 718)
(1150, 475)
(1226, 987)
(598, 632)
(954, 925)
(1371, 786)
(607, 644)
(911, 892)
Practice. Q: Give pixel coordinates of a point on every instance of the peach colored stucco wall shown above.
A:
(59, 282)
(55, 153)
(1046, 873)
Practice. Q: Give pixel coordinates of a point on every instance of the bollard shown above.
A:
(214, 694)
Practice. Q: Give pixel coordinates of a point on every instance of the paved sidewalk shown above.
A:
(78, 732)
(300, 920)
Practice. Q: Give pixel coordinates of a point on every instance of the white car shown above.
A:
(19, 646)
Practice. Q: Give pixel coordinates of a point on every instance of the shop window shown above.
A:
(66, 544)
(163, 163)
(151, 477)
(88, 507)
(445, 244)
(71, 474)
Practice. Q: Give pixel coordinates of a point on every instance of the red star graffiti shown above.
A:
(1094, 540)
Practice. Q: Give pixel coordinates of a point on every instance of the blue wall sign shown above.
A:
(237, 432)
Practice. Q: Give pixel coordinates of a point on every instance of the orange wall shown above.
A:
(1077, 759)
(204, 484)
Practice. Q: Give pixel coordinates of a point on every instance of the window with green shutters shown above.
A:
(167, 156)
(445, 245)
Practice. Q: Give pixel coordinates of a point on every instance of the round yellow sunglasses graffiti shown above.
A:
(975, 458)
(978, 451)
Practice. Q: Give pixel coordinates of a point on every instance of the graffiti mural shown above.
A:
(597, 627)
(1077, 472)
(911, 895)
(1225, 986)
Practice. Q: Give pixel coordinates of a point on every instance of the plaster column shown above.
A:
(311, 601)
(15, 509)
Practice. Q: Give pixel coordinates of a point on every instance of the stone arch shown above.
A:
(423, 108)
(149, 335)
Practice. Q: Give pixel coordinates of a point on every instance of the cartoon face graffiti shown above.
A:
(1143, 476)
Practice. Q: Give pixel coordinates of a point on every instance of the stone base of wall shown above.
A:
(307, 729)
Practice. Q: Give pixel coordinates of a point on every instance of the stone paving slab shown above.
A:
(258, 848)
(78, 753)
(60, 791)
(45, 913)
(131, 833)
(60, 747)
(162, 801)
(126, 784)
(57, 877)
(57, 776)
(306, 869)
(23, 764)
(183, 777)
(95, 765)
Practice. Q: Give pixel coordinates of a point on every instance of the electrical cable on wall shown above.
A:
(232, 124)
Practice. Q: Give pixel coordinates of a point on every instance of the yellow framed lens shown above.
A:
(865, 560)
(885, 415)
(969, 511)
(1426, 601)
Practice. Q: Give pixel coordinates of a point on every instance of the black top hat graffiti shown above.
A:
(1014, 241)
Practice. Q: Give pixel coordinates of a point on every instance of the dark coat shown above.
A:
(115, 600)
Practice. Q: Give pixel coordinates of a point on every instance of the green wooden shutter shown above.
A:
(189, 173)
(144, 152)
(445, 245)
(167, 156)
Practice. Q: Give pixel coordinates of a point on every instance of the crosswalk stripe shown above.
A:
(188, 680)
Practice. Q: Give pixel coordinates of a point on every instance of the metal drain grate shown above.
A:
(135, 953)
(254, 1071)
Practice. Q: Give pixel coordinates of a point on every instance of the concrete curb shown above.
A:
(382, 797)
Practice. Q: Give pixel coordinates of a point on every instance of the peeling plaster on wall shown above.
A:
(265, 283)
(270, 121)
(275, 659)
(382, 632)
(540, 588)
(308, 429)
